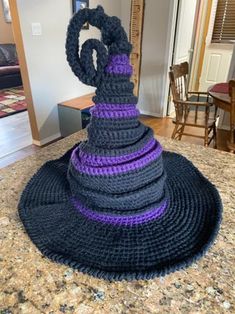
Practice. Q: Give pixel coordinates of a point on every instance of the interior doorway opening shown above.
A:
(210, 62)
(17, 124)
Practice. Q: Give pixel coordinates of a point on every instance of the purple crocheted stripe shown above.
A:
(119, 59)
(95, 160)
(127, 220)
(115, 107)
(135, 164)
(119, 64)
(125, 113)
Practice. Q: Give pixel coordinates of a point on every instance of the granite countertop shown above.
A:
(31, 284)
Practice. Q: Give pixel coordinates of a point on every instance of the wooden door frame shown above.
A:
(175, 18)
(24, 70)
(200, 44)
(174, 6)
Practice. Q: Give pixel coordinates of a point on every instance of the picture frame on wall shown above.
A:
(79, 5)
(6, 11)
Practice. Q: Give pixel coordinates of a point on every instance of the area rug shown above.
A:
(12, 100)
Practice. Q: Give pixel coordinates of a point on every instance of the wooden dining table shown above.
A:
(225, 100)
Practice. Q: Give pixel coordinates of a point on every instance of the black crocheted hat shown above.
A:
(117, 206)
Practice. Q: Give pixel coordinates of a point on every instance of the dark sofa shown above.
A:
(9, 67)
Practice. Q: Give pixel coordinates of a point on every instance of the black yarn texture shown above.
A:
(193, 211)
(170, 243)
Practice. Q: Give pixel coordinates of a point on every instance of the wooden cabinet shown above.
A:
(70, 113)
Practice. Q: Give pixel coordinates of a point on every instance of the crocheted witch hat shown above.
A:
(116, 206)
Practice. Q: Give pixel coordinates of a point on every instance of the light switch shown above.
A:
(36, 29)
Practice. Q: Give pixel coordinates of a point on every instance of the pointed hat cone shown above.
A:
(118, 144)
(116, 206)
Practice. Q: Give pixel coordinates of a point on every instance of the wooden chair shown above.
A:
(187, 110)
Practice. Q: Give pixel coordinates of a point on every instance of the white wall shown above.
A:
(50, 76)
(156, 54)
(125, 14)
(155, 57)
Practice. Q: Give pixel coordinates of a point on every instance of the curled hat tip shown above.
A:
(114, 41)
(100, 9)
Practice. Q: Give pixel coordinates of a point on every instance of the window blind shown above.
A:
(224, 26)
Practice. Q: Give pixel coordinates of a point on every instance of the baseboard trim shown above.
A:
(47, 139)
(149, 113)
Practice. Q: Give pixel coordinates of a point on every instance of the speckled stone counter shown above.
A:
(31, 284)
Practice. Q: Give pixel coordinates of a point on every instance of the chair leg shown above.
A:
(206, 137)
(215, 135)
(196, 114)
(232, 131)
(181, 132)
(207, 112)
(174, 131)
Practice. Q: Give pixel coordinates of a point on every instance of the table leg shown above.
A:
(231, 144)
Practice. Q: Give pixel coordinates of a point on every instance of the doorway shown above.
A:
(214, 49)
(209, 60)
(212, 55)
(16, 120)
(184, 36)
(15, 131)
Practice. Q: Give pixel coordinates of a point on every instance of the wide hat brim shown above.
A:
(169, 243)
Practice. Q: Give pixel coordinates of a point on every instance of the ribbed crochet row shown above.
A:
(93, 160)
(112, 169)
(119, 64)
(125, 113)
(122, 220)
(125, 149)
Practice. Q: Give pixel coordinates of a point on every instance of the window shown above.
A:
(224, 26)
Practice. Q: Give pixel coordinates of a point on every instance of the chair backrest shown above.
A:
(179, 81)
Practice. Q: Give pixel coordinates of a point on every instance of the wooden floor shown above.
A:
(11, 141)
(15, 133)
(15, 138)
(164, 127)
